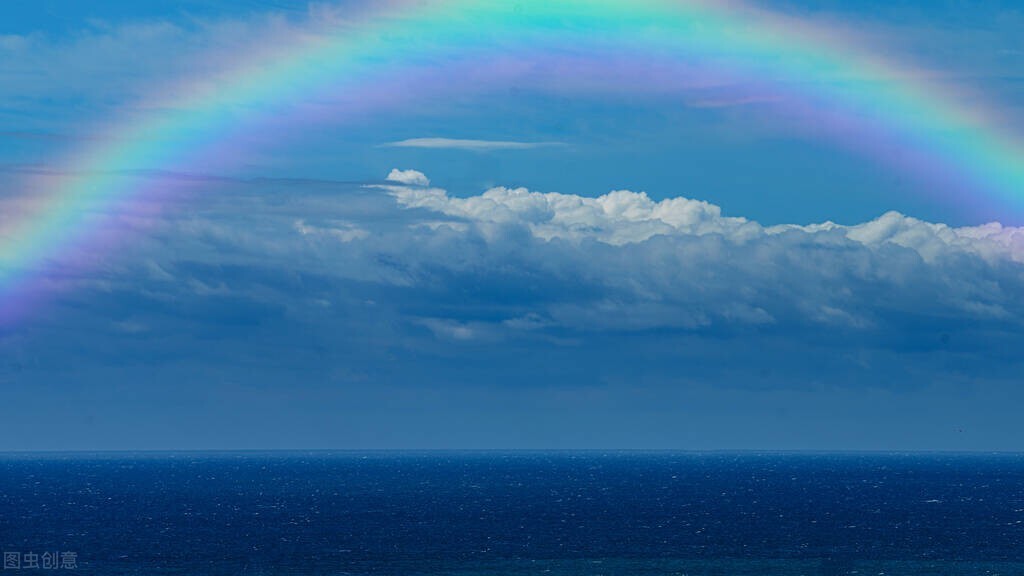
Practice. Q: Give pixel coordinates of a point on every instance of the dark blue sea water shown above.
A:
(516, 513)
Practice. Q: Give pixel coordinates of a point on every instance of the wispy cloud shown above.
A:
(465, 144)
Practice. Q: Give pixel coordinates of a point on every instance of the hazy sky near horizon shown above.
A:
(523, 267)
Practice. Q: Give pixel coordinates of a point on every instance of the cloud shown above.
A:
(619, 217)
(408, 177)
(416, 283)
(343, 231)
(622, 261)
(625, 217)
(473, 145)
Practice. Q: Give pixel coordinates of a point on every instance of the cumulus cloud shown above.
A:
(465, 144)
(619, 217)
(343, 275)
(623, 217)
(634, 263)
(408, 177)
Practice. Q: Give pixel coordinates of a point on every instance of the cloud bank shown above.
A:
(406, 271)
(360, 309)
(679, 263)
(623, 217)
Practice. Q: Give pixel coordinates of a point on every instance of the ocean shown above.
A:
(473, 513)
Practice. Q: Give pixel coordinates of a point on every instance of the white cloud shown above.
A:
(679, 263)
(464, 144)
(624, 217)
(619, 217)
(408, 177)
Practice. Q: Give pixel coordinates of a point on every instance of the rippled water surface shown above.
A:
(517, 513)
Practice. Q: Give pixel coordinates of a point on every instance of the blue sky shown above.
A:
(656, 275)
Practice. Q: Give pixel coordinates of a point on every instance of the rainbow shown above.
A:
(404, 50)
